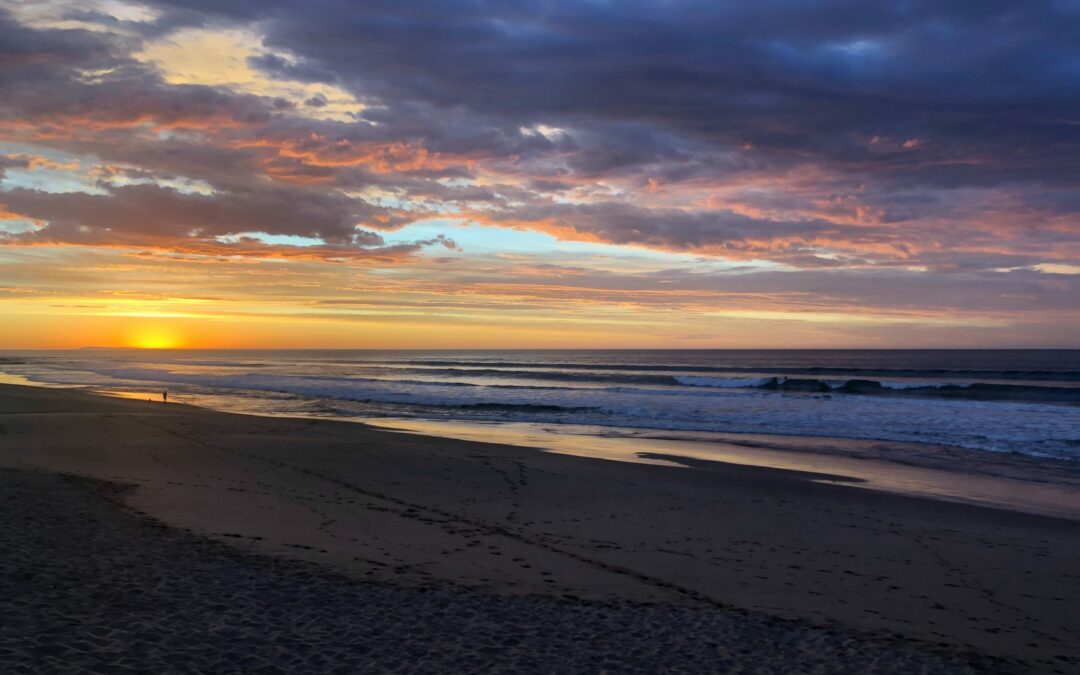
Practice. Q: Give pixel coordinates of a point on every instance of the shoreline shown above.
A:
(512, 521)
(1011, 481)
(1032, 487)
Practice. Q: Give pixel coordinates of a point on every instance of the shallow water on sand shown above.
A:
(1023, 486)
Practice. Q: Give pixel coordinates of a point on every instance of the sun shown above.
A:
(155, 337)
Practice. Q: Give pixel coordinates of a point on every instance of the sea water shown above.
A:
(995, 401)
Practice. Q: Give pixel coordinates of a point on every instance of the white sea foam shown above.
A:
(726, 382)
(901, 386)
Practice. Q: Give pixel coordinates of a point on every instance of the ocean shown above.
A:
(993, 401)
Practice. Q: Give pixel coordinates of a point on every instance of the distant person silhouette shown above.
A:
(164, 397)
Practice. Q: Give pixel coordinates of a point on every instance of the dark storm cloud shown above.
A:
(12, 163)
(993, 81)
(54, 80)
(23, 51)
(162, 212)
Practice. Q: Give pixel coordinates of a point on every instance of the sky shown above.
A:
(539, 173)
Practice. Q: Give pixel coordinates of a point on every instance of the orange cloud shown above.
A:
(319, 151)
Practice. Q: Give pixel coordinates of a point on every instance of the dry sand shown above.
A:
(552, 552)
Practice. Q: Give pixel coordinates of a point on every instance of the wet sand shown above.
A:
(1009, 481)
(718, 552)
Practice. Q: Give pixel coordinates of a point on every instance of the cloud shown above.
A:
(154, 217)
(925, 140)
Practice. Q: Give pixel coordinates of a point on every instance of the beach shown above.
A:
(476, 556)
(546, 336)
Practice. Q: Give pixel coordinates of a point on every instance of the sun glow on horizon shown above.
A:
(156, 337)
